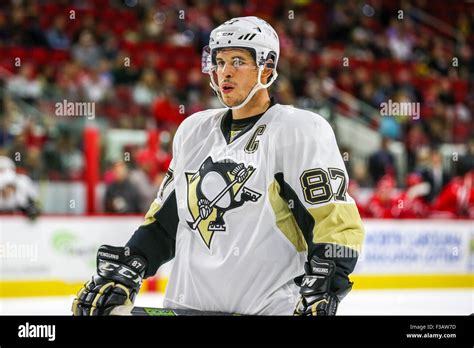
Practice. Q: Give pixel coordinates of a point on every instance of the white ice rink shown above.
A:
(366, 302)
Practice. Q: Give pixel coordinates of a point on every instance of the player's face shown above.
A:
(236, 74)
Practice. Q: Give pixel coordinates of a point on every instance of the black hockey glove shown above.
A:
(31, 210)
(315, 289)
(117, 282)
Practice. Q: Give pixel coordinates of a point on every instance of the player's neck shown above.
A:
(257, 105)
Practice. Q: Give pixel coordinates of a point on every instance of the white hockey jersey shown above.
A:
(24, 191)
(247, 211)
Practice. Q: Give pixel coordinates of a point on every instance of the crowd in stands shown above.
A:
(429, 191)
(139, 63)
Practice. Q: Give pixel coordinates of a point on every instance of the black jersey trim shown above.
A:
(157, 240)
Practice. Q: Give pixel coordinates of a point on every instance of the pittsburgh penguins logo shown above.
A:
(215, 189)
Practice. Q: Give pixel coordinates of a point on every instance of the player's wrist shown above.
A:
(316, 297)
(119, 265)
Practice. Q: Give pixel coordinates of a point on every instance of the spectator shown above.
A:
(384, 203)
(56, 36)
(308, 41)
(25, 85)
(19, 148)
(467, 160)
(411, 203)
(414, 140)
(360, 174)
(64, 160)
(31, 32)
(438, 130)
(405, 90)
(34, 165)
(146, 89)
(381, 162)
(457, 198)
(439, 62)
(68, 81)
(166, 112)
(143, 176)
(354, 192)
(360, 44)
(6, 136)
(153, 24)
(399, 40)
(86, 51)
(434, 174)
(388, 60)
(96, 85)
(122, 196)
(111, 47)
(71, 158)
(123, 71)
(5, 29)
(384, 88)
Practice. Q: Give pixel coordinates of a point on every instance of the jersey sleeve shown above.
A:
(313, 180)
(155, 238)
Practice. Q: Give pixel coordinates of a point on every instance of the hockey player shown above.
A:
(253, 210)
(17, 191)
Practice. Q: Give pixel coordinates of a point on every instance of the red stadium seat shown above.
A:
(161, 63)
(40, 55)
(128, 46)
(123, 94)
(59, 55)
(168, 50)
(150, 46)
(181, 63)
(382, 65)
(17, 52)
(460, 90)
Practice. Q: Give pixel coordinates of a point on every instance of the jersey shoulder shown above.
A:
(300, 122)
(198, 123)
(201, 117)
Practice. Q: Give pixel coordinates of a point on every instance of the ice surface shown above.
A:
(362, 302)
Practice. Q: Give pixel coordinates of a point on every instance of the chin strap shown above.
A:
(258, 86)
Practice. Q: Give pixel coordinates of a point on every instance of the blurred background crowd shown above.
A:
(139, 62)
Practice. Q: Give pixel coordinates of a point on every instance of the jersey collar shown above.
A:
(226, 123)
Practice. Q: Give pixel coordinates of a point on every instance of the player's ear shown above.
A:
(268, 70)
(270, 64)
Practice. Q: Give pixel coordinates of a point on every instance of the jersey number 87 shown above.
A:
(317, 187)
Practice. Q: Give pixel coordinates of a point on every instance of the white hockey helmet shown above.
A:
(251, 33)
(7, 177)
(6, 163)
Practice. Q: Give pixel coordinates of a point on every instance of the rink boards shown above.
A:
(56, 254)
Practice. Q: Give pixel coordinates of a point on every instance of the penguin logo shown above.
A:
(213, 190)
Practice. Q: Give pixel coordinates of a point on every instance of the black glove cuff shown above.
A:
(317, 277)
(116, 263)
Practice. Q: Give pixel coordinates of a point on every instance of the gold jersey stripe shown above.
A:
(285, 220)
(338, 223)
(150, 215)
